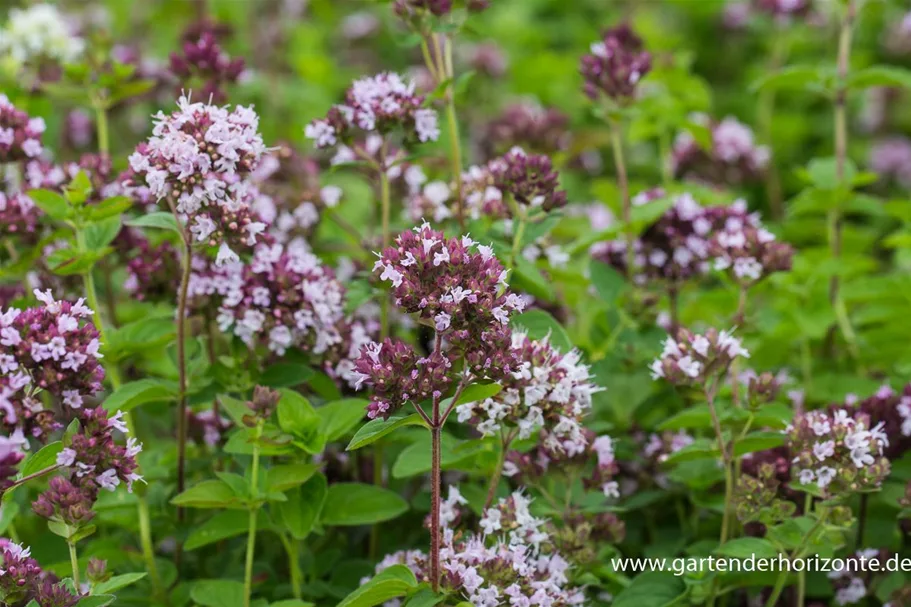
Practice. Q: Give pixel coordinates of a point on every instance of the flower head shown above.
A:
(39, 32)
(692, 358)
(20, 135)
(616, 65)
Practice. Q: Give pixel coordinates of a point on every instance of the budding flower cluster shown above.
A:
(398, 376)
(22, 581)
(94, 461)
(616, 65)
(414, 9)
(203, 60)
(692, 358)
(530, 127)
(748, 251)
(53, 348)
(512, 561)
(379, 104)
(734, 158)
(838, 452)
(20, 136)
(455, 285)
(197, 159)
(756, 498)
(546, 390)
(529, 180)
(263, 404)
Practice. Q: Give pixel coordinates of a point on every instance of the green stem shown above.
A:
(101, 120)
(498, 472)
(251, 525)
(797, 553)
(623, 184)
(728, 480)
(293, 566)
(113, 374)
(455, 144)
(74, 563)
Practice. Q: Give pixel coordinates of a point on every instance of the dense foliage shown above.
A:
(454, 302)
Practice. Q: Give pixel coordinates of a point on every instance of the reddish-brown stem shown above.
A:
(435, 480)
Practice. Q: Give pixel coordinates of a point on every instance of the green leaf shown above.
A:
(529, 278)
(286, 375)
(98, 235)
(51, 203)
(220, 527)
(539, 324)
(304, 506)
(207, 494)
(96, 600)
(218, 593)
(129, 396)
(285, 476)
(695, 417)
(68, 261)
(376, 429)
(117, 582)
(298, 417)
(160, 220)
(390, 583)
(109, 208)
(140, 335)
(880, 75)
(746, 547)
(415, 458)
(758, 441)
(43, 458)
(794, 77)
(340, 417)
(8, 512)
(425, 598)
(651, 589)
(608, 282)
(360, 504)
(478, 392)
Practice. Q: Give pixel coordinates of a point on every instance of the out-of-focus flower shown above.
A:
(784, 10)
(487, 58)
(153, 271)
(528, 126)
(747, 251)
(381, 104)
(616, 65)
(39, 33)
(734, 157)
(890, 158)
(898, 36)
(20, 135)
(204, 61)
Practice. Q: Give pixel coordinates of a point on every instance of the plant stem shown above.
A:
(797, 553)
(728, 479)
(766, 115)
(113, 374)
(74, 563)
(101, 120)
(293, 565)
(623, 183)
(841, 158)
(435, 480)
(498, 472)
(251, 525)
(455, 144)
(182, 372)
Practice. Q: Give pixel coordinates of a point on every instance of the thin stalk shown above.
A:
(293, 566)
(74, 563)
(113, 374)
(623, 183)
(665, 151)
(251, 524)
(841, 158)
(728, 479)
(182, 373)
(498, 472)
(384, 204)
(101, 123)
(435, 480)
(31, 476)
(455, 144)
(797, 553)
(766, 114)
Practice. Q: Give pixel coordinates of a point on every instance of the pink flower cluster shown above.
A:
(692, 358)
(18, 214)
(530, 180)
(398, 376)
(283, 298)
(53, 348)
(511, 561)
(197, 159)
(23, 581)
(890, 158)
(204, 60)
(552, 455)
(528, 126)
(838, 452)
(734, 157)
(546, 390)
(455, 285)
(747, 251)
(378, 104)
(20, 135)
(893, 410)
(616, 65)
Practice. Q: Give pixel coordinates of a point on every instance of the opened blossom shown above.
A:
(692, 358)
(380, 104)
(20, 134)
(838, 452)
(283, 298)
(53, 348)
(197, 160)
(547, 389)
